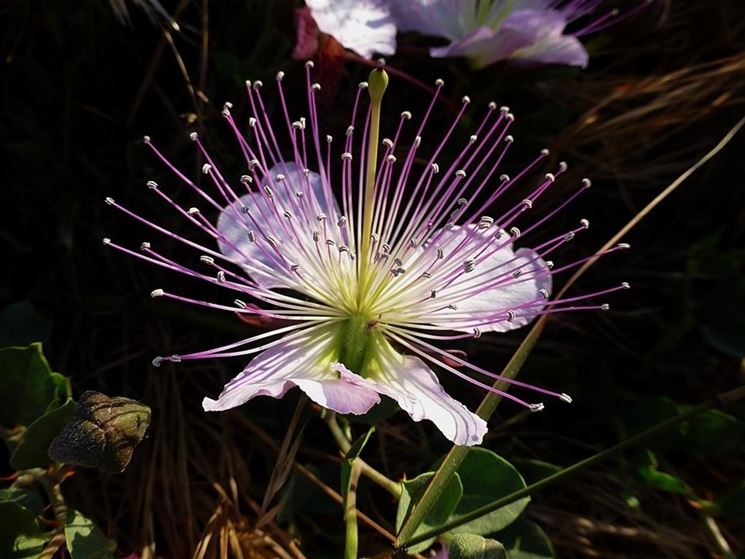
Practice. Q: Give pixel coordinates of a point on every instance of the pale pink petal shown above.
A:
(411, 383)
(491, 287)
(302, 361)
(364, 26)
(267, 217)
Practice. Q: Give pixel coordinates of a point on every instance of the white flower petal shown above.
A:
(477, 297)
(303, 362)
(415, 387)
(267, 220)
(364, 26)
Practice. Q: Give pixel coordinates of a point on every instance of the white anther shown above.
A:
(258, 84)
(298, 125)
(206, 168)
(193, 211)
(511, 315)
(248, 83)
(504, 109)
(385, 247)
(280, 177)
(226, 109)
(584, 223)
(417, 141)
(329, 138)
(439, 82)
(515, 232)
(342, 221)
(504, 177)
(330, 242)
(528, 203)
(151, 184)
(321, 217)
(346, 156)
(350, 130)
(465, 100)
(343, 248)
(106, 241)
(272, 241)
(146, 139)
(280, 76)
(316, 236)
(476, 333)
(462, 202)
(269, 192)
(252, 122)
(391, 158)
(565, 397)
(315, 87)
(509, 138)
(562, 166)
(309, 64)
(145, 246)
(287, 214)
(157, 293)
(536, 407)
(545, 152)
(298, 194)
(472, 139)
(549, 177)
(245, 179)
(586, 183)
(207, 259)
(517, 273)
(440, 254)
(623, 245)
(544, 293)
(626, 285)
(509, 117)
(253, 164)
(251, 236)
(426, 275)
(435, 168)
(193, 136)
(492, 106)
(469, 265)
(240, 304)
(604, 307)
(109, 200)
(569, 236)
(362, 85)
(550, 264)
(406, 115)
(220, 276)
(460, 173)
(157, 361)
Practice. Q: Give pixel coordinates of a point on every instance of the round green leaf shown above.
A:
(471, 546)
(32, 450)
(85, 540)
(20, 535)
(526, 540)
(26, 385)
(27, 498)
(487, 477)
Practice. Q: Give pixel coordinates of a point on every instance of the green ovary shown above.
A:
(356, 342)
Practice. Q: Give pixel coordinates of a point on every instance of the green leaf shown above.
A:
(732, 505)
(443, 508)
(471, 546)
(663, 481)
(27, 498)
(32, 450)
(20, 535)
(487, 477)
(526, 540)
(26, 385)
(102, 433)
(20, 324)
(714, 432)
(85, 540)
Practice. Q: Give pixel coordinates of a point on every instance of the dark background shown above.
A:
(80, 89)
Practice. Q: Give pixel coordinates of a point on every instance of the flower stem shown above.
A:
(720, 400)
(368, 471)
(350, 512)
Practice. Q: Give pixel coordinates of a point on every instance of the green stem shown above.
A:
(720, 400)
(368, 471)
(490, 402)
(350, 512)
